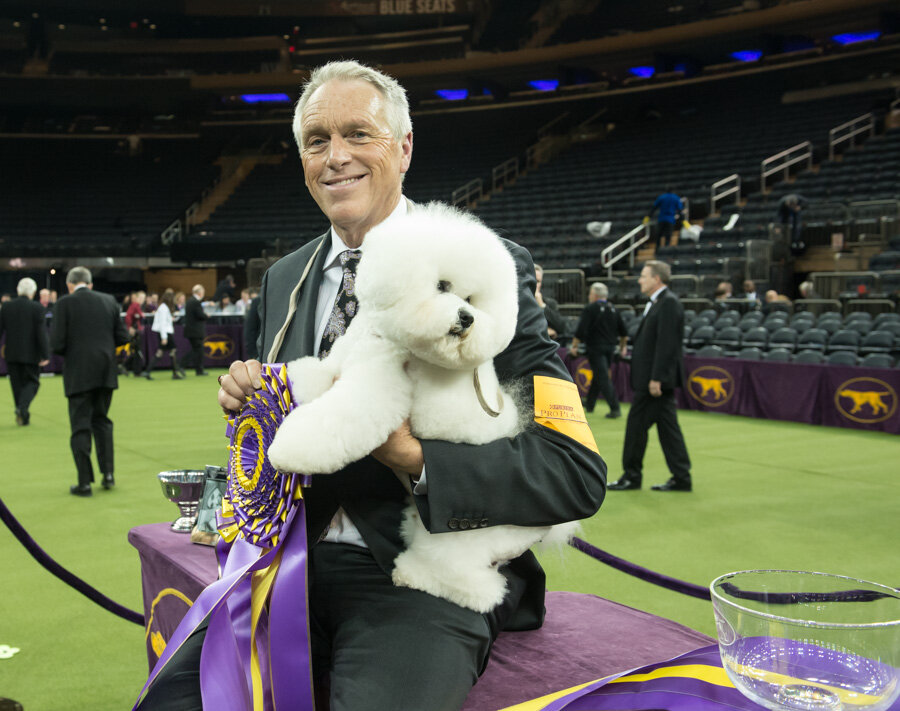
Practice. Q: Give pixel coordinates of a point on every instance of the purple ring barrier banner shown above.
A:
(222, 345)
(837, 396)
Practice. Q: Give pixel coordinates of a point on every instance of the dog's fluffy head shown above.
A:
(442, 284)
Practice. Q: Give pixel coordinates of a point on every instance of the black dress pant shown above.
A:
(88, 420)
(375, 647)
(600, 359)
(646, 411)
(25, 379)
(194, 357)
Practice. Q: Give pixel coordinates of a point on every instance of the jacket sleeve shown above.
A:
(40, 334)
(540, 477)
(665, 355)
(58, 327)
(120, 334)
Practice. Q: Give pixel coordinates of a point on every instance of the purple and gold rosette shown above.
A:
(259, 497)
(256, 649)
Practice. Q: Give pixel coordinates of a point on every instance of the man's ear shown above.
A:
(406, 146)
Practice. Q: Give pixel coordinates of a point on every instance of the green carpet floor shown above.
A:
(767, 494)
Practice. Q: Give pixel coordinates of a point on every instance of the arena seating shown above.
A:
(85, 198)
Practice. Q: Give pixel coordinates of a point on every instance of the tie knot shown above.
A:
(349, 259)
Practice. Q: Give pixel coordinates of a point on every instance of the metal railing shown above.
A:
(782, 162)
(545, 129)
(758, 259)
(817, 306)
(171, 234)
(830, 285)
(627, 245)
(464, 195)
(721, 189)
(883, 215)
(849, 131)
(504, 173)
(567, 286)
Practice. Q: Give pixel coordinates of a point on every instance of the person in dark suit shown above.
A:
(657, 368)
(601, 329)
(86, 329)
(380, 646)
(251, 326)
(194, 330)
(27, 349)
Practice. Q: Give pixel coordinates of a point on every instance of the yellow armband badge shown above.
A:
(558, 407)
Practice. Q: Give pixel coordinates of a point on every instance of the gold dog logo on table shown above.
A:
(218, 346)
(711, 386)
(866, 400)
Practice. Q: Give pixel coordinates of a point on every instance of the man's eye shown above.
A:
(443, 286)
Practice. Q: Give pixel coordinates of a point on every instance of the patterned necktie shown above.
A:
(344, 305)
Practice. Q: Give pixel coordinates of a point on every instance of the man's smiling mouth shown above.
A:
(343, 181)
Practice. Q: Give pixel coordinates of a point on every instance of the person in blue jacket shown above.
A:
(670, 207)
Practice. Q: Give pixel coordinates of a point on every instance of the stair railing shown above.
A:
(782, 162)
(626, 246)
(849, 131)
(721, 189)
(464, 195)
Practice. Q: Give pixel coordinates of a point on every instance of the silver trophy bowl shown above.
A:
(184, 488)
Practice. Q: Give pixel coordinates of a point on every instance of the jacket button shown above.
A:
(483, 523)
(464, 524)
(453, 524)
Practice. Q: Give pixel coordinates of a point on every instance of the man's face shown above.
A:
(352, 164)
(45, 297)
(200, 293)
(539, 275)
(648, 281)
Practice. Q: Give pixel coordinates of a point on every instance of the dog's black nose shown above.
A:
(465, 319)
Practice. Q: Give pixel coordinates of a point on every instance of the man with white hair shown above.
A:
(601, 329)
(377, 646)
(27, 349)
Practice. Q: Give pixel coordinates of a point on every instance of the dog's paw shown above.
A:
(301, 446)
(310, 378)
(475, 587)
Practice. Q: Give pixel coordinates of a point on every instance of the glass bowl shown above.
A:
(183, 487)
(803, 641)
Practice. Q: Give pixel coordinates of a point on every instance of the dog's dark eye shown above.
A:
(443, 286)
(468, 299)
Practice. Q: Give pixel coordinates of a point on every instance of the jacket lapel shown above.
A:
(299, 340)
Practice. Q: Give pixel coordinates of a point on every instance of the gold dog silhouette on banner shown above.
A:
(710, 385)
(869, 400)
(218, 346)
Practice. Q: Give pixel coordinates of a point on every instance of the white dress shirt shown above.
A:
(653, 297)
(162, 322)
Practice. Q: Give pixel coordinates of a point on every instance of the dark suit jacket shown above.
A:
(194, 316)
(251, 329)
(22, 320)
(658, 352)
(86, 329)
(538, 478)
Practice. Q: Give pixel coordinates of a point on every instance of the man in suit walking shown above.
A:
(657, 368)
(601, 329)
(26, 350)
(194, 330)
(384, 647)
(86, 329)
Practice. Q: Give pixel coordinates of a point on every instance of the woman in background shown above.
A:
(163, 325)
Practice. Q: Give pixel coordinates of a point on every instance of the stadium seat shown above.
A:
(710, 314)
(724, 321)
(758, 337)
(802, 316)
(844, 340)
(689, 315)
(728, 338)
(877, 360)
(830, 326)
(809, 357)
(842, 358)
(701, 336)
(813, 339)
(783, 338)
(750, 320)
(877, 342)
(778, 355)
(773, 324)
(751, 353)
(858, 316)
(885, 318)
(710, 352)
(861, 326)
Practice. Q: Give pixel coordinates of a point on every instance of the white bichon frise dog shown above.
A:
(438, 299)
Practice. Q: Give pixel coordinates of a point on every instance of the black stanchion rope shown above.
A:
(66, 576)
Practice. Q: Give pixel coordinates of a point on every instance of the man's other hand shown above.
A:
(402, 452)
(655, 388)
(241, 381)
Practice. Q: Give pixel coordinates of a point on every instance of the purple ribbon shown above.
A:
(266, 518)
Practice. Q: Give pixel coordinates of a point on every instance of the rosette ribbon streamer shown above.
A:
(256, 650)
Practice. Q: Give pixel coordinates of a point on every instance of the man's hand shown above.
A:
(655, 388)
(241, 381)
(402, 452)
(623, 351)
(42, 363)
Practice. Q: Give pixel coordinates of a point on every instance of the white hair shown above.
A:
(26, 287)
(599, 290)
(396, 104)
(79, 275)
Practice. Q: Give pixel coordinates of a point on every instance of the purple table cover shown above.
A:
(584, 637)
(838, 396)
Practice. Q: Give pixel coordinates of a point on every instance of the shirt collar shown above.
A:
(655, 295)
(338, 246)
